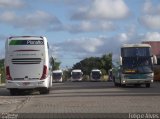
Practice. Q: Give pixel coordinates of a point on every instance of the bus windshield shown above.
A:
(57, 75)
(136, 60)
(137, 65)
(76, 75)
(96, 74)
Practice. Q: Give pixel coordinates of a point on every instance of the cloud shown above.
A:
(150, 21)
(35, 20)
(8, 17)
(103, 9)
(71, 3)
(88, 45)
(12, 4)
(151, 15)
(151, 36)
(149, 8)
(86, 26)
(96, 46)
(54, 51)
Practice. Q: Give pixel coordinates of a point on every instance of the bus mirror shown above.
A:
(120, 60)
(154, 59)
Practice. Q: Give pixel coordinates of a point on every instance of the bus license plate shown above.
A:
(26, 83)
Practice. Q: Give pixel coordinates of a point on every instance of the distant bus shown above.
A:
(76, 75)
(136, 65)
(57, 75)
(27, 64)
(95, 75)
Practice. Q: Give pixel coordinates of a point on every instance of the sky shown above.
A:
(77, 29)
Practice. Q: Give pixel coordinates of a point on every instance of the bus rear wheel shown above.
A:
(44, 91)
(13, 92)
(147, 85)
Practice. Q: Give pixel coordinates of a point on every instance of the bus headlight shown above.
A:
(124, 81)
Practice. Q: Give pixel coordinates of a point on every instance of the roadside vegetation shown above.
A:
(2, 71)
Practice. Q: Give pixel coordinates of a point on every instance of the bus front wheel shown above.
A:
(147, 85)
(123, 85)
(116, 84)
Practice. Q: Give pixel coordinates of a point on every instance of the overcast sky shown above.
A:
(77, 29)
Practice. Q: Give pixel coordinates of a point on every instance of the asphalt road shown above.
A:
(84, 100)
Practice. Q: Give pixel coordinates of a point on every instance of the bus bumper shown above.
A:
(78, 79)
(92, 79)
(27, 84)
(136, 81)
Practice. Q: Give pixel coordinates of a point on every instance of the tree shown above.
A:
(66, 74)
(106, 61)
(54, 63)
(2, 70)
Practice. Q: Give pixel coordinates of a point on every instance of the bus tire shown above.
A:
(123, 85)
(147, 85)
(137, 85)
(44, 91)
(116, 84)
(13, 92)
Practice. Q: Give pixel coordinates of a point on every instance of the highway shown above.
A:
(83, 100)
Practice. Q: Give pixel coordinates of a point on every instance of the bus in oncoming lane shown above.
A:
(136, 65)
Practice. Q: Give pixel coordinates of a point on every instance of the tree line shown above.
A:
(2, 71)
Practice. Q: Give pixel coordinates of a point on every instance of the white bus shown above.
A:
(57, 75)
(95, 75)
(76, 75)
(27, 64)
(136, 65)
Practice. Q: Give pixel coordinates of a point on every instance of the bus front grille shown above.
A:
(26, 61)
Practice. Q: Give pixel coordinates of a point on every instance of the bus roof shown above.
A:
(96, 70)
(76, 70)
(26, 37)
(57, 71)
(135, 45)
